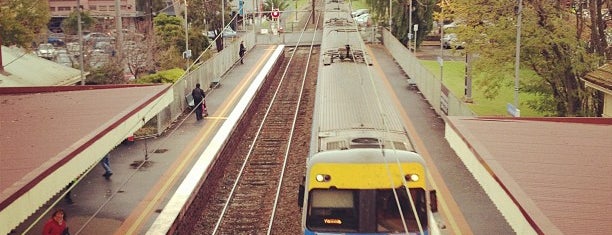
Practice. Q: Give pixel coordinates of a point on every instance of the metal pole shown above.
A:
(441, 45)
(187, 54)
(410, 23)
(80, 32)
(390, 16)
(518, 54)
(223, 22)
(119, 26)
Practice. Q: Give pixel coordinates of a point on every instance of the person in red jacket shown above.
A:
(56, 225)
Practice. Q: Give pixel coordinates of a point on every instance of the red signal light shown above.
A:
(275, 13)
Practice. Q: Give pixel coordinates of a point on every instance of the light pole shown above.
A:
(517, 55)
(187, 53)
(409, 23)
(80, 32)
(119, 27)
(223, 22)
(513, 109)
(391, 17)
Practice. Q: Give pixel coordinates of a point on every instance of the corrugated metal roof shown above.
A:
(601, 77)
(50, 135)
(558, 169)
(26, 69)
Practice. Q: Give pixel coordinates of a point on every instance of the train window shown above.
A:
(388, 214)
(377, 211)
(332, 210)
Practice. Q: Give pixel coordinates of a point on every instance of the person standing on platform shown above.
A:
(242, 51)
(57, 224)
(199, 103)
(106, 164)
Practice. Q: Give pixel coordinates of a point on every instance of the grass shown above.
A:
(454, 76)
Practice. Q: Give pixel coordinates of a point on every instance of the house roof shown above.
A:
(556, 170)
(601, 78)
(24, 68)
(51, 135)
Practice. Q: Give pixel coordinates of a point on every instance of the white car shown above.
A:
(46, 50)
(359, 12)
(450, 41)
(227, 33)
(64, 59)
(362, 19)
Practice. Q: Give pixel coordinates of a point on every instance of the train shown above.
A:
(363, 174)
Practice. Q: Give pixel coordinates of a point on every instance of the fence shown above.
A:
(438, 96)
(206, 73)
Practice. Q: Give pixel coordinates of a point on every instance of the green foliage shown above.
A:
(70, 24)
(171, 58)
(22, 20)
(170, 31)
(483, 105)
(166, 76)
(549, 48)
(280, 4)
(422, 14)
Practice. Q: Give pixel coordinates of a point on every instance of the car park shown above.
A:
(227, 33)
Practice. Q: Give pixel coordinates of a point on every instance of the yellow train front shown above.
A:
(365, 191)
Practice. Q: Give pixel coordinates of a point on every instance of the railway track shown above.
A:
(252, 188)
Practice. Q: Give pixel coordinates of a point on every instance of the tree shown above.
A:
(109, 73)
(22, 20)
(170, 32)
(209, 13)
(549, 48)
(70, 24)
(422, 11)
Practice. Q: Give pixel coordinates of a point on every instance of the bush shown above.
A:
(167, 76)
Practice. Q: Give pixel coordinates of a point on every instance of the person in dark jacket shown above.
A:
(198, 101)
(242, 51)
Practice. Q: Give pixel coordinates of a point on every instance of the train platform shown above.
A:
(127, 202)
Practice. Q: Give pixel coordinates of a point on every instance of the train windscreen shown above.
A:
(365, 211)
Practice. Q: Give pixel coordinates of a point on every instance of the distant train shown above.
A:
(363, 174)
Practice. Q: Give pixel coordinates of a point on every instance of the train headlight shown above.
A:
(412, 177)
(323, 178)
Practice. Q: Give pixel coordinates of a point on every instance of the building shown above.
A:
(601, 80)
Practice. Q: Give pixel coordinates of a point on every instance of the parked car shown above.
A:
(46, 50)
(56, 41)
(359, 12)
(227, 33)
(104, 46)
(98, 37)
(64, 59)
(362, 19)
(450, 41)
(73, 48)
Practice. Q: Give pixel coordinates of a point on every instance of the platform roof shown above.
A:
(554, 172)
(23, 69)
(49, 136)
